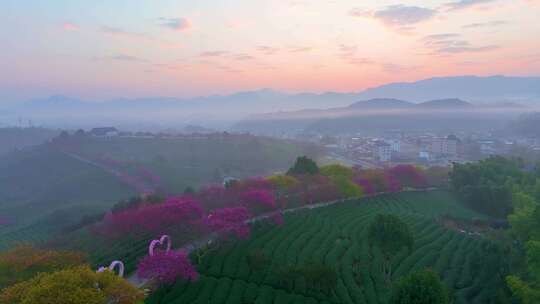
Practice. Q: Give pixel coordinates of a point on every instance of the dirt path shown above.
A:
(134, 182)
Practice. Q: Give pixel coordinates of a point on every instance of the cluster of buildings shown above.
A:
(418, 148)
(112, 132)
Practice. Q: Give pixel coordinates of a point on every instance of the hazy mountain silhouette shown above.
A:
(444, 103)
(220, 110)
(473, 88)
(382, 103)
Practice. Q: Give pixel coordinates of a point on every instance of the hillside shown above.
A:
(12, 139)
(52, 186)
(329, 234)
(336, 236)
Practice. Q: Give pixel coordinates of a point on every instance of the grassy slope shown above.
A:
(42, 189)
(336, 236)
(18, 138)
(182, 162)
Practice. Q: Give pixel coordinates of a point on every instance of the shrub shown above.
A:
(72, 286)
(422, 287)
(24, 261)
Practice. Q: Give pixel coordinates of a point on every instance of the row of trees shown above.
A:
(222, 208)
(525, 233)
(487, 185)
(506, 188)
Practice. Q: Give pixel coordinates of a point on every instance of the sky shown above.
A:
(103, 49)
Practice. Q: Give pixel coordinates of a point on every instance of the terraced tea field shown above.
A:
(470, 265)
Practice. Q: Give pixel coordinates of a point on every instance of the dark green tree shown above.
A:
(304, 166)
(388, 233)
(421, 287)
(486, 186)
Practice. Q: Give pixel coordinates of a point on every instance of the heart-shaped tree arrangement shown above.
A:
(111, 267)
(163, 240)
(166, 266)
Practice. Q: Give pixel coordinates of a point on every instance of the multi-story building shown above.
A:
(447, 146)
(382, 151)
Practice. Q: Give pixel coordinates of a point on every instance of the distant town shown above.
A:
(422, 148)
(391, 148)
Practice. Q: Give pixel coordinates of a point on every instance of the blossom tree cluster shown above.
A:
(230, 221)
(167, 266)
(227, 210)
(153, 218)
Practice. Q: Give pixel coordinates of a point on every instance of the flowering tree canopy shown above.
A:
(375, 177)
(392, 183)
(227, 221)
(167, 267)
(408, 176)
(366, 185)
(153, 218)
(258, 198)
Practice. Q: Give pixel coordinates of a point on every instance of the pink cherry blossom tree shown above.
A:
(167, 267)
(258, 200)
(230, 221)
(392, 183)
(367, 186)
(156, 219)
(408, 176)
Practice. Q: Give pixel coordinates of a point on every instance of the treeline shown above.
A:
(507, 188)
(305, 183)
(487, 186)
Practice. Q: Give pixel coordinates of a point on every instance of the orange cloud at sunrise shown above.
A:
(167, 48)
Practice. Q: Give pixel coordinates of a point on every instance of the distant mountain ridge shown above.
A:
(378, 114)
(388, 105)
(381, 103)
(217, 111)
(473, 88)
(445, 103)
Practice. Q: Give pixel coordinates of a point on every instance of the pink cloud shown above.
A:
(396, 16)
(300, 49)
(177, 24)
(267, 50)
(68, 26)
(212, 54)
